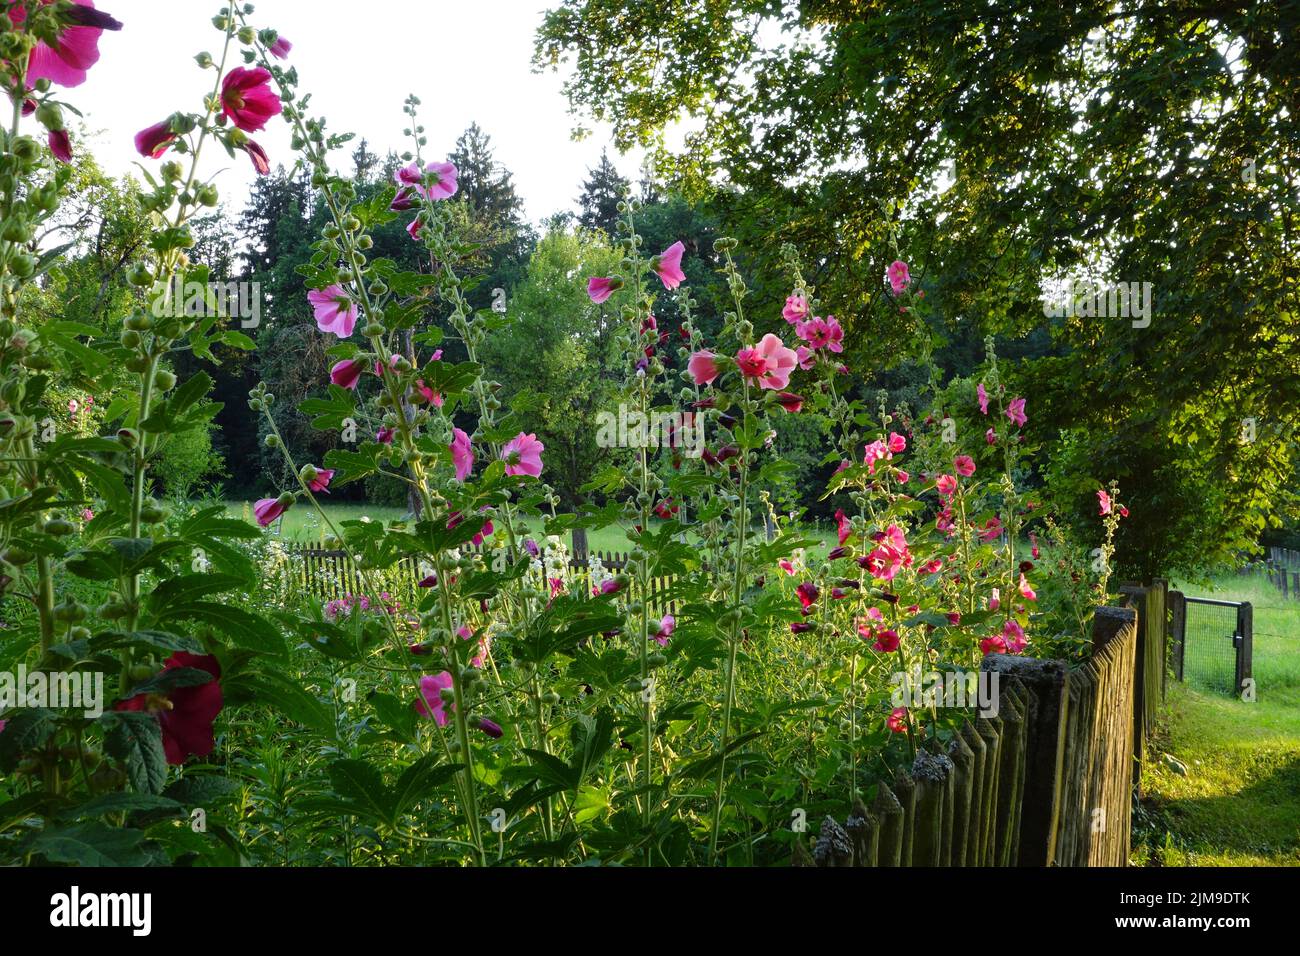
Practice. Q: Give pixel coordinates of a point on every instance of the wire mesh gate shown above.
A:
(1213, 642)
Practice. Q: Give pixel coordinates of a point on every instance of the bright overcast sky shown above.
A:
(468, 62)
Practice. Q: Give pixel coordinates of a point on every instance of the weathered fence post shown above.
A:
(1178, 630)
(1246, 652)
(579, 549)
(933, 776)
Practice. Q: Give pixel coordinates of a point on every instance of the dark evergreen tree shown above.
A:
(600, 196)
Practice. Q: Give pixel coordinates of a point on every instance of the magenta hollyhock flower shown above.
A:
(385, 435)
(1014, 636)
(335, 311)
(897, 443)
(185, 714)
(1103, 502)
(993, 645)
(1016, 412)
(76, 49)
(347, 373)
(790, 401)
(843, 526)
(322, 480)
(946, 485)
(267, 510)
(897, 720)
(489, 727)
(443, 184)
(153, 141)
(431, 704)
(702, 367)
(462, 454)
(964, 465)
(770, 363)
(822, 333)
(786, 566)
(806, 357)
(664, 630)
(484, 533)
(899, 276)
(60, 145)
(807, 594)
(800, 627)
(1026, 591)
(796, 309)
(983, 398)
(409, 175)
(523, 455)
(886, 641)
(610, 586)
(261, 162)
(668, 266)
(280, 48)
(247, 98)
(992, 529)
(404, 199)
(991, 437)
(600, 288)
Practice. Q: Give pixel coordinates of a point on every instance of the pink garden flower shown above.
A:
(336, 313)
(899, 276)
(703, 367)
(523, 455)
(1103, 501)
(1016, 412)
(601, 288)
(822, 333)
(789, 401)
(280, 48)
(1026, 591)
(796, 309)
(993, 645)
(886, 641)
(74, 52)
(806, 357)
(663, 630)
(322, 480)
(807, 594)
(431, 704)
(153, 141)
(995, 599)
(267, 510)
(983, 398)
(247, 98)
(347, 373)
(946, 485)
(385, 435)
(1013, 636)
(843, 526)
(897, 720)
(770, 363)
(668, 266)
(444, 181)
(964, 465)
(991, 437)
(897, 443)
(462, 454)
(992, 529)
(60, 145)
(261, 162)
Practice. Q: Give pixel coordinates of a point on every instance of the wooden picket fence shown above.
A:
(1048, 781)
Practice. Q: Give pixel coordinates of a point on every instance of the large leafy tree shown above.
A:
(1001, 147)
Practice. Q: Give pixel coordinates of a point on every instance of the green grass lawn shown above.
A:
(1239, 802)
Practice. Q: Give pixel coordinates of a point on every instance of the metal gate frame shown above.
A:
(1243, 640)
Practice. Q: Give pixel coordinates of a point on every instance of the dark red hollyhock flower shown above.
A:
(1026, 567)
(489, 727)
(800, 627)
(728, 421)
(789, 401)
(60, 145)
(152, 141)
(807, 593)
(836, 553)
(710, 402)
(185, 713)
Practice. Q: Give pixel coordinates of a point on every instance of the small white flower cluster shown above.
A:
(599, 573)
(555, 558)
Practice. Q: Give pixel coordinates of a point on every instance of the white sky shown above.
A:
(468, 62)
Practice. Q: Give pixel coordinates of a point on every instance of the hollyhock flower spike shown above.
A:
(983, 397)
(247, 98)
(335, 312)
(668, 266)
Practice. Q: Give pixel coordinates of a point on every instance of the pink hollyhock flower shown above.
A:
(944, 521)
(946, 485)
(610, 586)
(995, 599)
(983, 397)
(993, 645)
(702, 367)
(806, 357)
(385, 435)
(779, 362)
(601, 288)
(954, 618)
(75, 50)
(807, 594)
(791, 402)
(1103, 501)
(821, 333)
(886, 642)
(796, 309)
(409, 175)
(261, 162)
(444, 181)
(1026, 591)
(87, 515)
(1016, 412)
(404, 199)
(247, 98)
(60, 145)
(322, 480)
(932, 566)
(897, 443)
(185, 714)
(902, 476)
(484, 533)
(335, 312)
(786, 566)
(991, 437)
(431, 704)
(897, 720)
(347, 373)
(668, 266)
(462, 454)
(899, 276)
(153, 141)
(1013, 636)
(523, 455)
(664, 630)
(992, 529)
(964, 465)
(876, 451)
(1033, 542)
(843, 526)
(280, 48)
(267, 510)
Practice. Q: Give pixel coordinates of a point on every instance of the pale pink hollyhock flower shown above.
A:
(964, 465)
(668, 266)
(876, 451)
(153, 141)
(983, 397)
(1103, 501)
(322, 480)
(335, 312)
(946, 485)
(796, 309)
(431, 688)
(702, 367)
(995, 600)
(247, 98)
(806, 357)
(600, 288)
(899, 276)
(1026, 591)
(60, 145)
(523, 455)
(897, 443)
(1016, 411)
(778, 362)
(991, 437)
(1014, 636)
(444, 183)
(280, 48)
(664, 630)
(897, 720)
(73, 407)
(75, 51)
(267, 510)
(347, 373)
(462, 454)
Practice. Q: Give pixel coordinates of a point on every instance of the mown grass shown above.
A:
(1239, 802)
